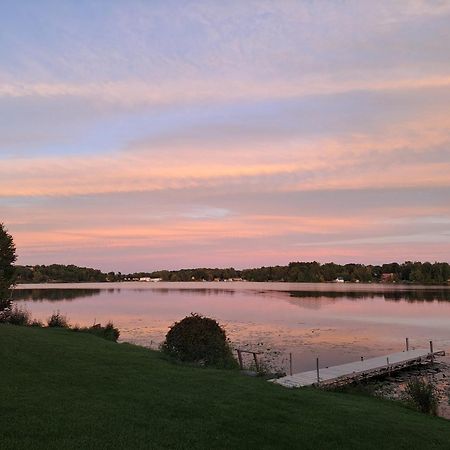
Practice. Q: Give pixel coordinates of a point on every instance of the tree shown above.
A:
(7, 270)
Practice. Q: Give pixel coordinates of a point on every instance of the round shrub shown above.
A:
(199, 339)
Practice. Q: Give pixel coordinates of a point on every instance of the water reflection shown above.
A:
(205, 292)
(442, 295)
(54, 295)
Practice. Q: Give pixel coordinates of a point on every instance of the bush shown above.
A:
(108, 332)
(421, 394)
(111, 332)
(15, 316)
(36, 323)
(199, 339)
(4, 314)
(18, 316)
(57, 320)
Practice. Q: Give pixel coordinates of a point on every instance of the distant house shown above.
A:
(388, 278)
(339, 280)
(149, 279)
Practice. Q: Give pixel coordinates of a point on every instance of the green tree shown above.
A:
(7, 270)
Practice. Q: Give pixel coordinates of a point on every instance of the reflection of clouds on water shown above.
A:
(311, 303)
(197, 291)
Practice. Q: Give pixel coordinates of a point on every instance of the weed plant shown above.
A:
(57, 320)
(421, 395)
(15, 316)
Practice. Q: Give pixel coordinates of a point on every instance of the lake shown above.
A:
(338, 323)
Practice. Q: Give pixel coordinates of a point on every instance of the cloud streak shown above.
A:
(138, 93)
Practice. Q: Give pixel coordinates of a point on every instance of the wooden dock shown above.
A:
(366, 368)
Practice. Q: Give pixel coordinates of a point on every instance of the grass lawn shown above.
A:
(60, 389)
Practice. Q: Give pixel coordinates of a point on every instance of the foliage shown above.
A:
(312, 272)
(7, 270)
(19, 316)
(59, 273)
(57, 320)
(421, 394)
(108, 332)
(111, 332)
(199, 339)
(266, 368)
(15, 316)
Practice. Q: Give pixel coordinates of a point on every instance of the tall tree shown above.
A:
(7, 270)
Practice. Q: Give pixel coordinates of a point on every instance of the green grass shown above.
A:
(60, 389)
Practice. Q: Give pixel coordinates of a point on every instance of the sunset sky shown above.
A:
(144, 135)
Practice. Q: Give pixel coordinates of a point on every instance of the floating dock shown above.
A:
(366, 368)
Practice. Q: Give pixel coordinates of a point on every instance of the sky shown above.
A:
(145, 135)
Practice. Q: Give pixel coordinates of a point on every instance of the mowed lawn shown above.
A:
(61, 389)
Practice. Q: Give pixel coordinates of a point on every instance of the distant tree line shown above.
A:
(312, 272)
(59, 273)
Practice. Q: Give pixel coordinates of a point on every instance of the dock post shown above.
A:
(290, 363)
(240, 359)
(432, 352)
(256, 362)
(317, 369)
(362, 358)
(407, 344)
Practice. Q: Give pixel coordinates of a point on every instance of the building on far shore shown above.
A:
(388, 278)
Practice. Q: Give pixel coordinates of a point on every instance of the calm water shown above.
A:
(339, 323)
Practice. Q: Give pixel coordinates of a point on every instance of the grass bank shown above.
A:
(61, 389)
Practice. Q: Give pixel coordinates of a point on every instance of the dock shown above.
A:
(354, 371)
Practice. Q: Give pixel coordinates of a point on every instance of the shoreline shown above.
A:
(270, 285)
